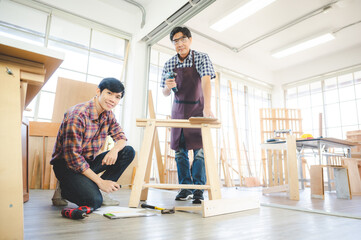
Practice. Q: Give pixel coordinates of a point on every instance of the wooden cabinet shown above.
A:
(25, 157)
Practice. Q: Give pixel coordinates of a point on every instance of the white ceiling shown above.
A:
(274, 16)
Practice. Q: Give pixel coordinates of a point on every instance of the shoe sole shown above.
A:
(197, 201)
(185, 199)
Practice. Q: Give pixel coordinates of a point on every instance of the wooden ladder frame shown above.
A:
(142, 176)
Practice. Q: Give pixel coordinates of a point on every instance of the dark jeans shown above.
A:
(82, 191)
(186, 174)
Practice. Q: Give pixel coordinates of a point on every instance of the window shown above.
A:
(90, 54)
(338, 98)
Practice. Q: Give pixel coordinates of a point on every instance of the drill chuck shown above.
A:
(73, 213)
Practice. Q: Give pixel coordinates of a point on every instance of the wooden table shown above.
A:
(321, 145)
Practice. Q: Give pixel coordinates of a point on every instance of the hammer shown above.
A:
(163, 210)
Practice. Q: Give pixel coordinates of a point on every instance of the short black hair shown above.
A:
(113, 85)
(183, 30)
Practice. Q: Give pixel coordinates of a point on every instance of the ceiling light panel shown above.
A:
(300, 46)
(246, 10)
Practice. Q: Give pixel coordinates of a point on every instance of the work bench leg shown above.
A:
(147, 146)
(210, 164)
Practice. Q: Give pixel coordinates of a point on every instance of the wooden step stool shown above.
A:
(141, 180)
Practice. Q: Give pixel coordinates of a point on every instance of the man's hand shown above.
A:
(108, 186)
(208, 113)
(170, 83)
(110, 158)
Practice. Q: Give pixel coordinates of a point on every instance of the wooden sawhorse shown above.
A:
(142, 175)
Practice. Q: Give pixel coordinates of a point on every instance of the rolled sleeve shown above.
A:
(164, 72)
(115, 130)
(206, 67)
(72, 145)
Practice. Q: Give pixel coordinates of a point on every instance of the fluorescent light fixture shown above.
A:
(312, 42)
(239, 14)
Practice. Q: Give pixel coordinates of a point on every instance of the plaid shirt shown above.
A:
(202, 61)
(82, 134)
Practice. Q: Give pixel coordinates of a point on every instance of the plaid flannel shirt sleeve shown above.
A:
(115, 130)
(206, 67)
(74, 131)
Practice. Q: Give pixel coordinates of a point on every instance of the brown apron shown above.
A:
(188, 102)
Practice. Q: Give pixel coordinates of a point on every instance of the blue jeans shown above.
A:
(186, 174)
(82, 191)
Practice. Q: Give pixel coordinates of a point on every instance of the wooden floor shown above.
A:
(270, 221)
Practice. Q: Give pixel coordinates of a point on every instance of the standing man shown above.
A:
(81, 135)
(192, 98)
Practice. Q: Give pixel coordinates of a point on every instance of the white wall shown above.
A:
(136, 92)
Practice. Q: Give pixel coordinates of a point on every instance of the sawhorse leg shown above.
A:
(143, 161)
(210, 163)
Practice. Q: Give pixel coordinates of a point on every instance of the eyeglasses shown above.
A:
(180, 40)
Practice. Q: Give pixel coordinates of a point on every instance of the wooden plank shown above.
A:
(177, 123)
(147, 145)
(32, 78)
(188, 208)
(292, 168)
(144, 193)
(236, 138)
(227, 176)
(285, 165)
(158, 154)
(69, 93)
(175, 186)
(210, 163)
(23, 90)
(274, 189)
(49, 151)
(280, 164)
(354, 176)
(316, 182)
(48, 129)
(34, 172)
(225, 206)
(11, 184)
(200, 120)
(275, 168)
(269, 164)
(22, 62)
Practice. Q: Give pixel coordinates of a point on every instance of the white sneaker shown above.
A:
(57, 199)
(108, 201)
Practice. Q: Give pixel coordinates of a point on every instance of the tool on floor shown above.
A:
(163, 210)
(172, 75)
(73, 213)
(76, 213)
(86, 209)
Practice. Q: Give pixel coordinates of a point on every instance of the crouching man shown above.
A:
(81, 135)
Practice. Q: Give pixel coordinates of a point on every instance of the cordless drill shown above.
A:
(172, 75)
(76, 213)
